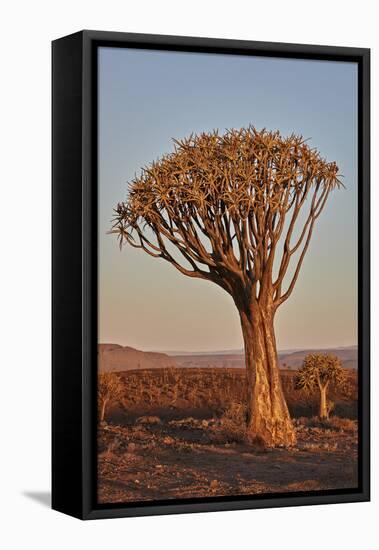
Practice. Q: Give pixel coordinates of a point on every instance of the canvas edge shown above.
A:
(83, 499)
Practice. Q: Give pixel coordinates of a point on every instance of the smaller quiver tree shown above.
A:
(317, 373)
(110, 389)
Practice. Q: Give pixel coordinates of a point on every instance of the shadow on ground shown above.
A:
(42, 497)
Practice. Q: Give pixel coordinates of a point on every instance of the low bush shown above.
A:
(333, 423)
(233, 423)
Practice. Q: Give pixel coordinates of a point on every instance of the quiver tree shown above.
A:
(222, 208)
(110, 389)
(317, 373)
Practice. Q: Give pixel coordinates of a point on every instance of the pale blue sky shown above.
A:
(146, 98)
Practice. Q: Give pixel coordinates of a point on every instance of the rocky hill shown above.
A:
(113, 357)
(294, 360)
(287, 360)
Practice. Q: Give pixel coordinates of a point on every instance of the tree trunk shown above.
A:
(102, 411)
(268, 419)
(324, 413)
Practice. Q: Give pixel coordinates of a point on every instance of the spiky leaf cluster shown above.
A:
(221, 201)
(318, 371)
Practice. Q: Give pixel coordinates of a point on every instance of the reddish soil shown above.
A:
(179, 433)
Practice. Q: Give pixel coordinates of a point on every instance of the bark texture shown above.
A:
(268, 419)
(324, 411)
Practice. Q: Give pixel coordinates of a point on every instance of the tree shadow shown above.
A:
(42, 497)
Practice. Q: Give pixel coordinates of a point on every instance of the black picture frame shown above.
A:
(74, 272)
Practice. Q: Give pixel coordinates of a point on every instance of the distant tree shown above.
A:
(317, 373)
(238, 210)
(110, 389)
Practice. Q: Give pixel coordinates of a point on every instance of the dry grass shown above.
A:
(204, 392)
(233, 424)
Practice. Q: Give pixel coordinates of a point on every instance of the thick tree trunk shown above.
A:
(324, 413)
(268, 419)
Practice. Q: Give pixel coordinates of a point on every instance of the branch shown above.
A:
(315, 210)
(221, 201)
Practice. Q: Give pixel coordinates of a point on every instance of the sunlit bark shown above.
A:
(222, 208)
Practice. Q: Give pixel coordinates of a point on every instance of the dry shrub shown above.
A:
(327, 446)
(215, 388)
(108, 448)
(334, 423)
(342, 424)
(233, 423)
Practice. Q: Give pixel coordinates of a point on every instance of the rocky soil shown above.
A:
(154, 459)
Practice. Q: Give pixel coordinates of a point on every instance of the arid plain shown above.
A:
(176, 430)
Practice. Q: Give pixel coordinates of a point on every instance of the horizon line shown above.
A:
(231, 350)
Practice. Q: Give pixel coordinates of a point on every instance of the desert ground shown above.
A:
(179, 433)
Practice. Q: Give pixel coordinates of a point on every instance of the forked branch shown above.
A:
(216, 208)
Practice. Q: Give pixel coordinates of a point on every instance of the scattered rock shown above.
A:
(131, 448)
(214, 484)
(148, 420)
